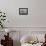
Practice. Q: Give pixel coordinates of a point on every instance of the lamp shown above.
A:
(7, 31)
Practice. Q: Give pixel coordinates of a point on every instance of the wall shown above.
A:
(35, 18)
(38, 13)
(11, 7)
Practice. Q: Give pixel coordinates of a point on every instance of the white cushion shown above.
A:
(27, 38)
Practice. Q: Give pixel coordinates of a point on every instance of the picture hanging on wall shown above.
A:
(23, 11)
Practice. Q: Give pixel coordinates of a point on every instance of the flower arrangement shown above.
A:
(2, 19)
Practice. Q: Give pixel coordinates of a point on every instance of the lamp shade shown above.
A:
(7, 30)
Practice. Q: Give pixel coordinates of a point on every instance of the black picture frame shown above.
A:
(23, 11)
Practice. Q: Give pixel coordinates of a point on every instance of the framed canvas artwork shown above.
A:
(23, 11)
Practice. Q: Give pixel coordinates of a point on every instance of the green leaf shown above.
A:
(3, 19)
(4, 16)
(2, 26)
(4, 13)
(0, 12)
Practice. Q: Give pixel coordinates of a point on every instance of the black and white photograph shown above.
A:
(23, 11)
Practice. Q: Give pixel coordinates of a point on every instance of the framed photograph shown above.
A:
(23, 11)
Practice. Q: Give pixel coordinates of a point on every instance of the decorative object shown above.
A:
(7, 30)
(8, 40)
(2, 19)
(44, 44)
(23, 11)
